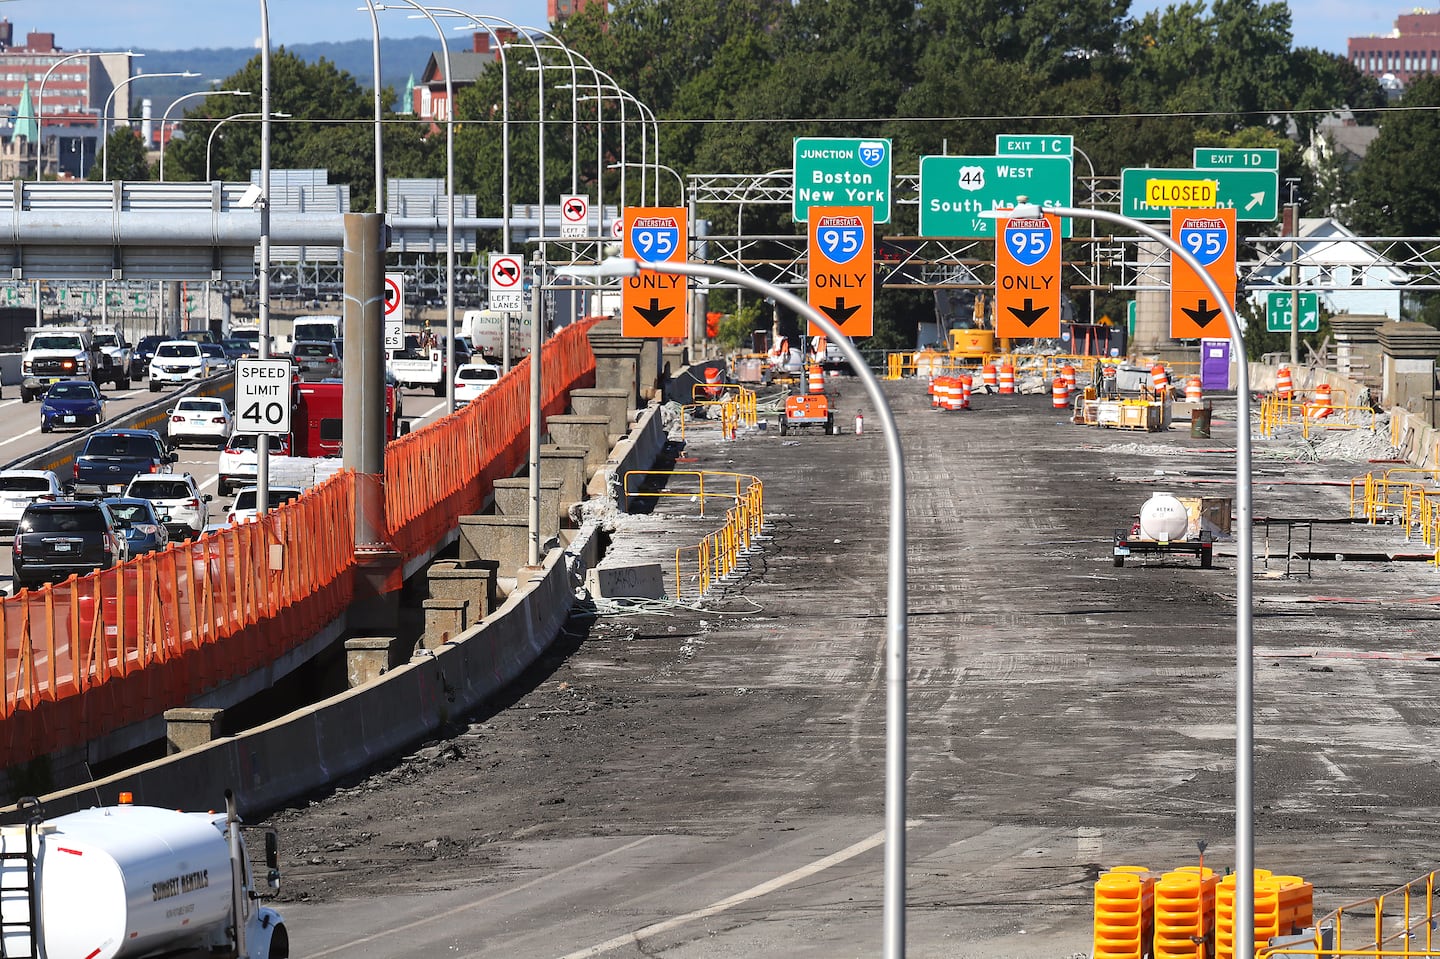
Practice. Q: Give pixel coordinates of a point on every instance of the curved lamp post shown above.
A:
(189, 96)
(896, 584)
(105, 114)
(210, 140)
(1244, 559)
(40, 97)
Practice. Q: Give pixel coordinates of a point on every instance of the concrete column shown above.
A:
(1357, 347)
(473, 582)
(364, 425)
(445, 619)
(503, 540)
(367, 658)
(591, 433)
(1152, 307)
(568, 464)
(512, 498)
(614, 403)
(619, 368)
(1409, 367)
(188, 727)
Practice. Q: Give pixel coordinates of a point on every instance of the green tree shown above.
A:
(125, 157)
(1395, 190)
(329, 126)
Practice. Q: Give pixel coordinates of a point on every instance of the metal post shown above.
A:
(1292, 228)
(1244, 561)
(896, 584)
(364, 372)
(262, 443)
(537, 333)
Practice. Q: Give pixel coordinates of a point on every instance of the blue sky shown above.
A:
(183, 24)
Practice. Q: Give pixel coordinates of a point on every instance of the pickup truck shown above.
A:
(110, 459)
(117, 349)
(54, 353)
(414, 366)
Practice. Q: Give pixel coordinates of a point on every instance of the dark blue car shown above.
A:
(144, 530)
(71, 404)
(112, 458)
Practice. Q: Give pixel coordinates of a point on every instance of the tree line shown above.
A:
(732, 82)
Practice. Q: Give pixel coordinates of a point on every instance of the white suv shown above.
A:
(203, 419)
(177, 362)
(246, 508)
(181, 505)
(238, 465)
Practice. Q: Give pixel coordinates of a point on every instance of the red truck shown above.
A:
(318, 416)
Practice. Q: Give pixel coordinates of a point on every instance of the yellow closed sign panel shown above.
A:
(1201, 194)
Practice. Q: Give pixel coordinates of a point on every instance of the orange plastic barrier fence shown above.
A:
(435, 475)
(171, 624)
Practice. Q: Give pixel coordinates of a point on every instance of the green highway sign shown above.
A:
(835, 171)
(1252, 194)
(954, 191)
(1225, 158)
(1277, 312)
(1038, 145)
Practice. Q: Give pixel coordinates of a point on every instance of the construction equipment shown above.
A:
(807, 409)
(1168, 525)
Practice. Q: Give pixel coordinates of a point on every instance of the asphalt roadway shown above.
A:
(707, 781)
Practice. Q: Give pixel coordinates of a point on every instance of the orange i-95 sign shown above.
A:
(1027, 277)
(1208, 236)
(842, 267)
(654, 304)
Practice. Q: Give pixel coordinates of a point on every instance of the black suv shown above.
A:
(55, 540)
(141, 356)
(112, 458)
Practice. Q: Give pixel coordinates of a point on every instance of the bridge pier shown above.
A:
(188, 727)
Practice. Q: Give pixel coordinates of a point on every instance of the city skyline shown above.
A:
(175, 25)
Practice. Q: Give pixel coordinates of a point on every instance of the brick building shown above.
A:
(1411, 49)
(69, 107)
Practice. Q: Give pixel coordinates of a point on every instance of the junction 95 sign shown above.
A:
(262, 396)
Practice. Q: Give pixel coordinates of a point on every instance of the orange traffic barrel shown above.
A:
(989, 377)
(1159, 379)
(1194, 393)
(966, 382)
(1060, 393)
(942, 392)
(817, 380)
(1284, 383)
(1068, 372)
(934, 390)
(1320, 404)
(1007, 378)
(713, 389)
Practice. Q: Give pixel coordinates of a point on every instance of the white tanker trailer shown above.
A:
(1165, 525)
(133, 881)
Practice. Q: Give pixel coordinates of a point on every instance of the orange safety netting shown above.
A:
(176, 624)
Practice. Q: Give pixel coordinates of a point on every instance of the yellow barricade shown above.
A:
(1400, 923)
(718, 553)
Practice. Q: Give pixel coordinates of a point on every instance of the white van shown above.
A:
(315, 329)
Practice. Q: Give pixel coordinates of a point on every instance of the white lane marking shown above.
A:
(430, 413)
(1089, 844)
(549, 876)
(19, 436)
(754, 892)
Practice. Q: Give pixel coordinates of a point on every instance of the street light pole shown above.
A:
(40, 98)
(164, 120)
(262, 442)
(105, 114)
(210, 140)
(896, 645)
(449, 204)
(1244, 559)
(658, 166)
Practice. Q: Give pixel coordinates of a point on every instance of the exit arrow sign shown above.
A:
(1252, 194)
(1277, 312)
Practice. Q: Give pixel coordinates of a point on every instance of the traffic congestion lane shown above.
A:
(1066, 716)
(200, 461)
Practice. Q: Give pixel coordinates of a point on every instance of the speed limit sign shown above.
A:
(262, 396)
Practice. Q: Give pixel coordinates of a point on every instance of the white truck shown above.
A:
(416, 367)
(128, 882)
(320, 327)
(112, 342)
(54, 353)
(486, 330)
